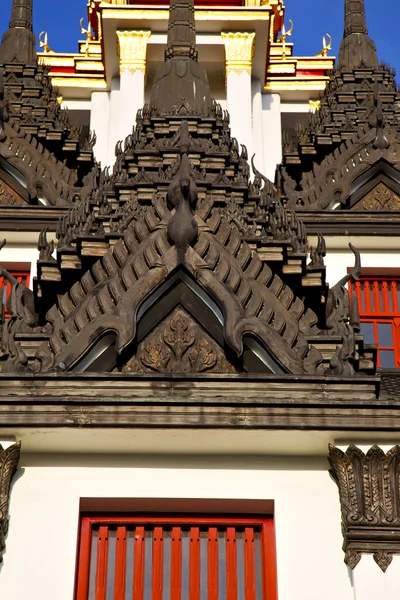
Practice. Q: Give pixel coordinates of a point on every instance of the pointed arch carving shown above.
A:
(252, 300)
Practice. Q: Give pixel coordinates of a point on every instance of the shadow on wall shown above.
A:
(173, 461)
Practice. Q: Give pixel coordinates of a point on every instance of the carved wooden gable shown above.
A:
(8, 197)
(179, 345)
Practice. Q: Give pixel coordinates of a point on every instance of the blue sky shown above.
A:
(312, 19)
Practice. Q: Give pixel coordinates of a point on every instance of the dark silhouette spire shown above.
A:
(19, 43)
(356, 49)
(181, 84)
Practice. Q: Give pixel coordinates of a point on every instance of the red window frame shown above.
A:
(379, 304)
(22, 276)
(213, 525)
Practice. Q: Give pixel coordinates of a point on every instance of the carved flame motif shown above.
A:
(381, 198)
(178, 336)
(369, 490)
(179, 346)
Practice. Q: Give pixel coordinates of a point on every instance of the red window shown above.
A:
(6, 286)
(172, 558)
(379, 304)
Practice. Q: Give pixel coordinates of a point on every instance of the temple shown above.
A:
(199, 346)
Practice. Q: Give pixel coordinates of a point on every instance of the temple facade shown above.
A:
(199, 327)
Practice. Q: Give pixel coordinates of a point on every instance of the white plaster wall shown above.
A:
(337, 262)
(20, 256)
(371, 583)
(272, 133)
(44, 513)
(99, 122)
(114, 122)
(131, 100)
(239, 104)
(258, 141)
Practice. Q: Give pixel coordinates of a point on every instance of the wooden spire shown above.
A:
(181, 84)
(356, 49)
(181, 39)
(18, 43)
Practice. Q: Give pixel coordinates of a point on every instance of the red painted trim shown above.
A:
(249, 564)
(312, 73)
(176, 563)
(102, 564)
(197, 3)
(21, 276)
(212, 563)
(138, 574)
(194, 564)
(158, 563)
(231, 564)
(176, 520)
(230, 524)
(55, 70)
(120, 564)
(85, 548)
(270, 583)
(378, 299)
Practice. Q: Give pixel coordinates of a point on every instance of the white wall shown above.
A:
(99, 123)
(20, 256)
(338, 260)
(272, 133)
(44, 514)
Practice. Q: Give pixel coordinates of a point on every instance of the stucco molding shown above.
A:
(369, 491)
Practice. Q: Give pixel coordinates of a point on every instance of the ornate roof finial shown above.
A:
(18, 43)
(356, 49)
(181, 84)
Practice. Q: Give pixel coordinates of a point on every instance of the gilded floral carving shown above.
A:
(381, 198)
(7, 196)
(179, 345)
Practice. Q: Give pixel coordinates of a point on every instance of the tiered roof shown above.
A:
(178, 262)
(359, 92)
(33, 125)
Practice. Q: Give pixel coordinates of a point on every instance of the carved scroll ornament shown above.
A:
(8, 465)
(369, 490)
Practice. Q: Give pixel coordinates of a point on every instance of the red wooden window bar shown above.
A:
(158, 558)
(379, 305)
(6, 286)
